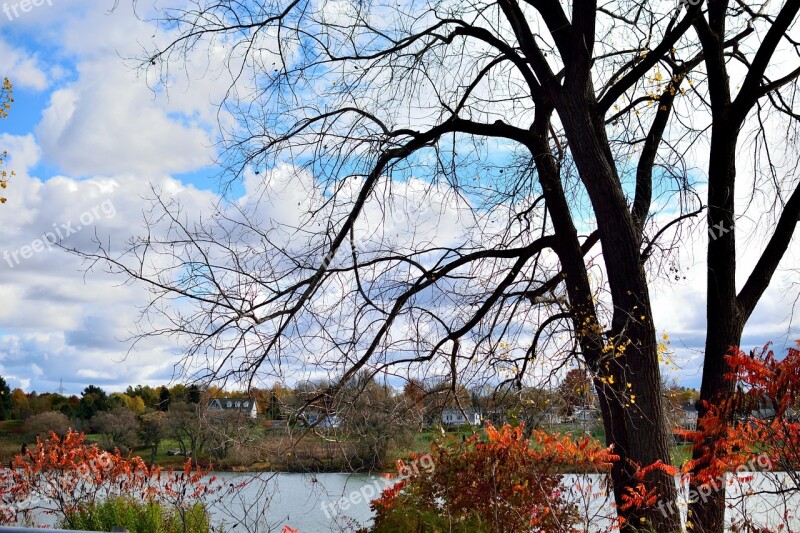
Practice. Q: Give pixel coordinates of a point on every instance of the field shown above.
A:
(276, 450)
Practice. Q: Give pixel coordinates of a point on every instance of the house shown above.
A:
(585, 415)
(552, 418)
(687, 417)
(768, 414)
(452, 416)
(320, 420)
(247, 406)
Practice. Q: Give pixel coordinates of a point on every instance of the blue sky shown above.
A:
(84, 131)
(88, 138)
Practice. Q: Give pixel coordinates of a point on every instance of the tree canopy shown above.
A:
(480, 188)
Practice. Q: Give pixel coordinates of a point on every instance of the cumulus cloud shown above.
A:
(106, 118)
(109, 127)
(59, 321)
(23, 69)
(104, 124)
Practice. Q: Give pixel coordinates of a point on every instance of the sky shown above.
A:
(89, 137)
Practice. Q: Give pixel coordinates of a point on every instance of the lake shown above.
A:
(307, 502)
(336, 502)
(314, 503)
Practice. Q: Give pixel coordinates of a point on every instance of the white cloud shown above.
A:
(107, 119)
(107, 126)
(22, 69)
(58, 321)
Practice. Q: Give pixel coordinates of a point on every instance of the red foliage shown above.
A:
(729, 438)
(506, 482)
(644, 494)
(59, 475)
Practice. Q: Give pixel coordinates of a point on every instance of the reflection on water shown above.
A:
(314, 503)
(337, 502)
(307, 502)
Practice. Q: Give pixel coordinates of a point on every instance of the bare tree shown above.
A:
(41, 425)
(224, 430)
(541, 130)
(184, 423)
(372, 415)
(153, 430)
(119, 428)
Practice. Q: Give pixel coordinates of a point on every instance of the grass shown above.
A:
(162, 458)
(138, 517)
(680, 454)
(10, 426)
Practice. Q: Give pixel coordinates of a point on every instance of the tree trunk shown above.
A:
(725, 320)
(632, 408)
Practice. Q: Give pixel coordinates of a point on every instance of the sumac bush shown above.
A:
(499, 481)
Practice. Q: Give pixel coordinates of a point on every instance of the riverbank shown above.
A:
(277, 450)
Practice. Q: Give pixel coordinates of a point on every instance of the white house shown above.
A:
(687, 418)
(552, 418)
(452, 416)
(586, 415)
(322, 421)
(248, 406)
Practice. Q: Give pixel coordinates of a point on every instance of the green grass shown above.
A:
(138, 517)
(161, 457)
(10, 426)
(422, 440)
(144, 451)
(680, 454)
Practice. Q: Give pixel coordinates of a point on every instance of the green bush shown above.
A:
(410, 519)
(138, 517)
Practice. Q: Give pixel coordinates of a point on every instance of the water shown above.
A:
(307, 502)
(340, 502)
(313, 503)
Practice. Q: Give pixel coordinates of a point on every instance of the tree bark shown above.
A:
(632, 405)
(725, 319)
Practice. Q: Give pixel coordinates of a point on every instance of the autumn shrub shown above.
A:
(41, 425)
(501, 481)
(753, 428)
(733, 441)
(67, 478)
(138, 517)
(729, 436)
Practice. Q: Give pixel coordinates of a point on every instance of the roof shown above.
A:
(235, 403)
(468, 410)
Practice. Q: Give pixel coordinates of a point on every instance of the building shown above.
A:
(586, 415)
(687, 417)
(320, 420)
(452, 416)
(552, 418)
(247, 406)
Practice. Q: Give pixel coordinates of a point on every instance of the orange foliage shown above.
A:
(644, 494)
(60, 475)
(506, 482)
(730, 438)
